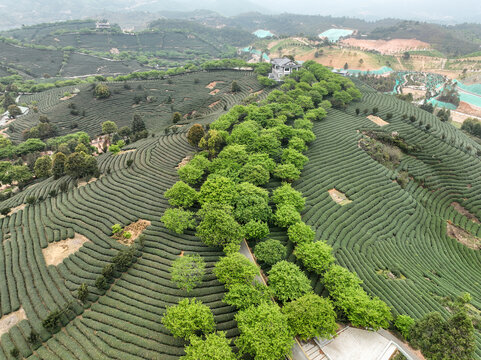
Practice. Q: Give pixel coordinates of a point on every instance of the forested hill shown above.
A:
(450, 40)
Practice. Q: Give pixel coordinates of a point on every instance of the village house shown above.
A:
(102, 25)
(282, 67)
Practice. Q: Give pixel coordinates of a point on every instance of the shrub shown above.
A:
(189, 317)
(270, 251)
(196, 132)
(5, 211)
(288, 281)
(83, 292)
(176, 117)
(30, 200)
(116, 228)
(101, 283)
(235, 87)
(315, 256)
(123, 260)
(101, 91)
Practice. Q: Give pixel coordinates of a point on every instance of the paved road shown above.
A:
(410, 355)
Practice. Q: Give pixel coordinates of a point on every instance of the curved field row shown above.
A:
(159, 99)
(386, 226)
(129, 313)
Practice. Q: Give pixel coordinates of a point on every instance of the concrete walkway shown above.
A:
(400, 345)
(297, 352)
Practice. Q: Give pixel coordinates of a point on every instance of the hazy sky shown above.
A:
(449, 10)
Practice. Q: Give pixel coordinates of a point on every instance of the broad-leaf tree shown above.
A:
(264, 332)
(189, 317)
(288, 281)
(235, 269)
(187, 271)
(214, 346)
(310, 316)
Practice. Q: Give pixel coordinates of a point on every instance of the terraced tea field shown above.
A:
(124, 323)
(390, 228)
(187, 94)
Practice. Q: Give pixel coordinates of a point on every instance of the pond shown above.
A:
(263, 33)
(334, 35)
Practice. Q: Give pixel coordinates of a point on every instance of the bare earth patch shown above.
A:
(377, 120)
(14, 210)
(213, 84)
(126, 151)
(214, 104)
(10, 320)
(460, 209)
(56, 252)
(184, 161)
(339, 197)
(386, 47)
(465, 111)
(83, 183)
(136, 229)
(213, 92)
(417, 93)
(68, 97)
(463, 236)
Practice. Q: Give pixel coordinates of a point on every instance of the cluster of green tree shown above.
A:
(405, 97)
(472, 126)
(10, 151)
(118, 137)
(121, 262)
(78, 164)
(449, 95)
(14, 173)
(65, 144)
(443, 114)
(240, 152)
(439, 338)
(42, 131)
(380, 83)
(22, 85)
(443, 38)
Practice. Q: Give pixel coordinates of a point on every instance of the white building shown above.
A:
(282, 67)
(102, 25)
